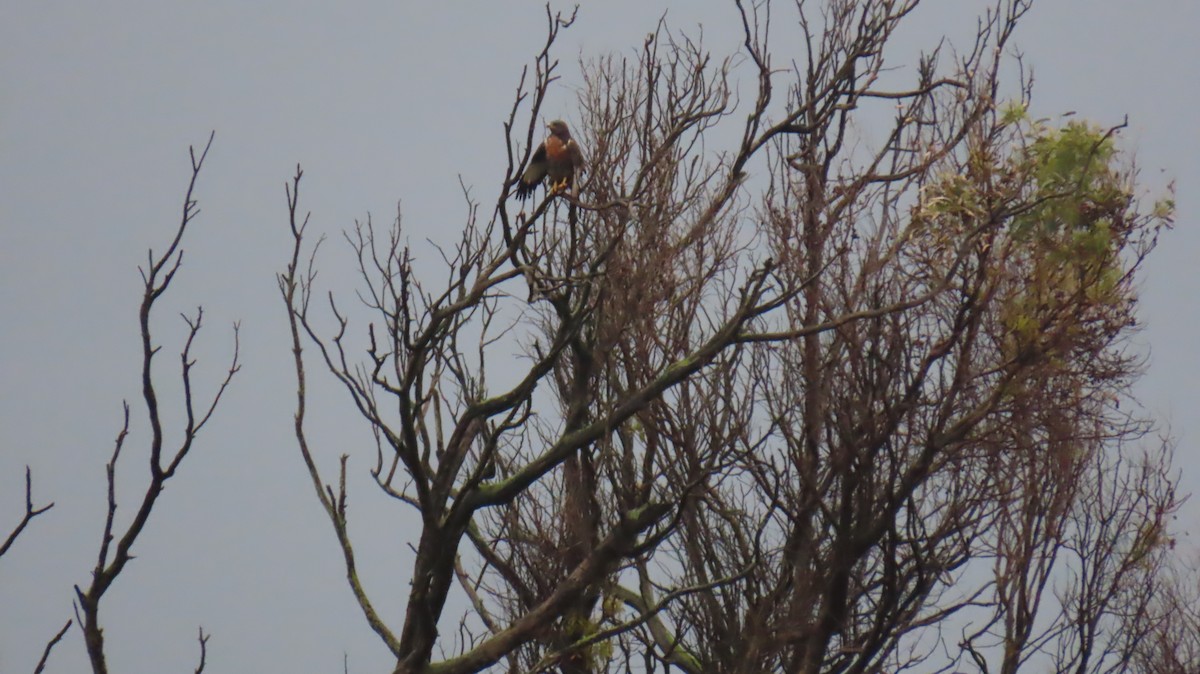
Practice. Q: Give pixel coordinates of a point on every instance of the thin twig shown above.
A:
(41, 665)
(203, 650)
(30, 512)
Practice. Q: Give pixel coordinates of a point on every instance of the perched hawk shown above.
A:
(559, 158)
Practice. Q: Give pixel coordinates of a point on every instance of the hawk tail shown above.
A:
(524, 190)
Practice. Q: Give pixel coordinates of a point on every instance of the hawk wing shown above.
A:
(575, 157)
(534, 174)
(576, 154)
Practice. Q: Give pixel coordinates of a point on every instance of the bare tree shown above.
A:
(163, 461)
(842, 395)
(1171, 644)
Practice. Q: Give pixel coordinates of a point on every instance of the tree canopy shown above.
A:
(819, 368)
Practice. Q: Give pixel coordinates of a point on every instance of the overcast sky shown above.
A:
(380, 101)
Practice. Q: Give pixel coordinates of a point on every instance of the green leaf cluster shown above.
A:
(1068, 229)
(1073, 183)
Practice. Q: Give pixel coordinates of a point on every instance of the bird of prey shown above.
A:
(559, 158)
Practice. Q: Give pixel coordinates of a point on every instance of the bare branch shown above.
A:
(30, 513)
(41, 665)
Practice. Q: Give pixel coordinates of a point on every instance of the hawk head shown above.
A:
(558, 129)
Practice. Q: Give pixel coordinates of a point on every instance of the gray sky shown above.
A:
(380, 101)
